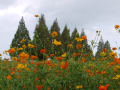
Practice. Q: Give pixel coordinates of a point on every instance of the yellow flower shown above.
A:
(112, 54)
(102, 54)
(14, 58)
(21, 66)
(19, 49)
(78, 39)
(31, 46)
(64, 55)
(23, 40)
(79, 86)
(54, 34)
(69, 45)
(57, 43)
(27, 69)
(117, 77)
(23, 46)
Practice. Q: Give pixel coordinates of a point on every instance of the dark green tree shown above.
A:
(99, 48)
(41, 37)
(107, 47)
(65, 38)
(21, 34)
(74, 34)
(55, 27)
(86, 49)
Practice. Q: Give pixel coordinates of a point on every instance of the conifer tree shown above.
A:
(99, 48)
(65, 38)
(73, 41)
(41, 37)
(57, 50)
(21, 36)
(86, 49)
(107, 47)
(55, 27)
(74, 34)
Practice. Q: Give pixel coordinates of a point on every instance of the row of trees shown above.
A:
(43, 39)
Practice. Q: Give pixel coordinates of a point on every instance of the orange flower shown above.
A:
(36, 15)
(23, 55)
(104, 50)
(64, 65)
(84, 37)
(103, 87)
(38, 63)
(12, 50)
(12, 73)
(59, 58)
(43, 50)
(34, 57)
(117, 26)
(51, 55)
(48, 62)
(9, 77)
(78, 46)
(114, 48)
(14, 58)
(83, 60)
(39, 87)
(117, 60)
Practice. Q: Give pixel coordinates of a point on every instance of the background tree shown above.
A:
(41, 37)
(21, 36)
(55, 28)
(99, 48)
(86, 49)
(65, 38)
(73, 41)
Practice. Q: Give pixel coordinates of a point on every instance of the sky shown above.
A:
(91, 15)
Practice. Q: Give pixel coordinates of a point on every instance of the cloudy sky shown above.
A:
(91, 15)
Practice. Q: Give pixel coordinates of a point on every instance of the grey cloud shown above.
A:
(6, 3)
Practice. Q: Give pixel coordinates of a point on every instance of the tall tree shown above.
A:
(65, 38)
(21, 36)
(74, 34)
(86, 49)
(107, 46)
(41, 37)
(55, 28)
(99, 48)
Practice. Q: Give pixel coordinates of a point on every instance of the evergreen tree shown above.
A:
(65, 38)
(55, 27)
(21, 37)
(74, 34)
(107, 47)
(57, 50)
(73, 41)
(41, 37)
(86, 49)
(99, 48)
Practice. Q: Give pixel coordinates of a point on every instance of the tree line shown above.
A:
(53, 41)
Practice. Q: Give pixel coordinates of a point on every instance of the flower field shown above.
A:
(55, 61)
(60, 75)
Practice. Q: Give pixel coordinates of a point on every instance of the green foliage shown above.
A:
(65, 38)
(41, 37)
(99, 48)
(22, 33)
(107, 46)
